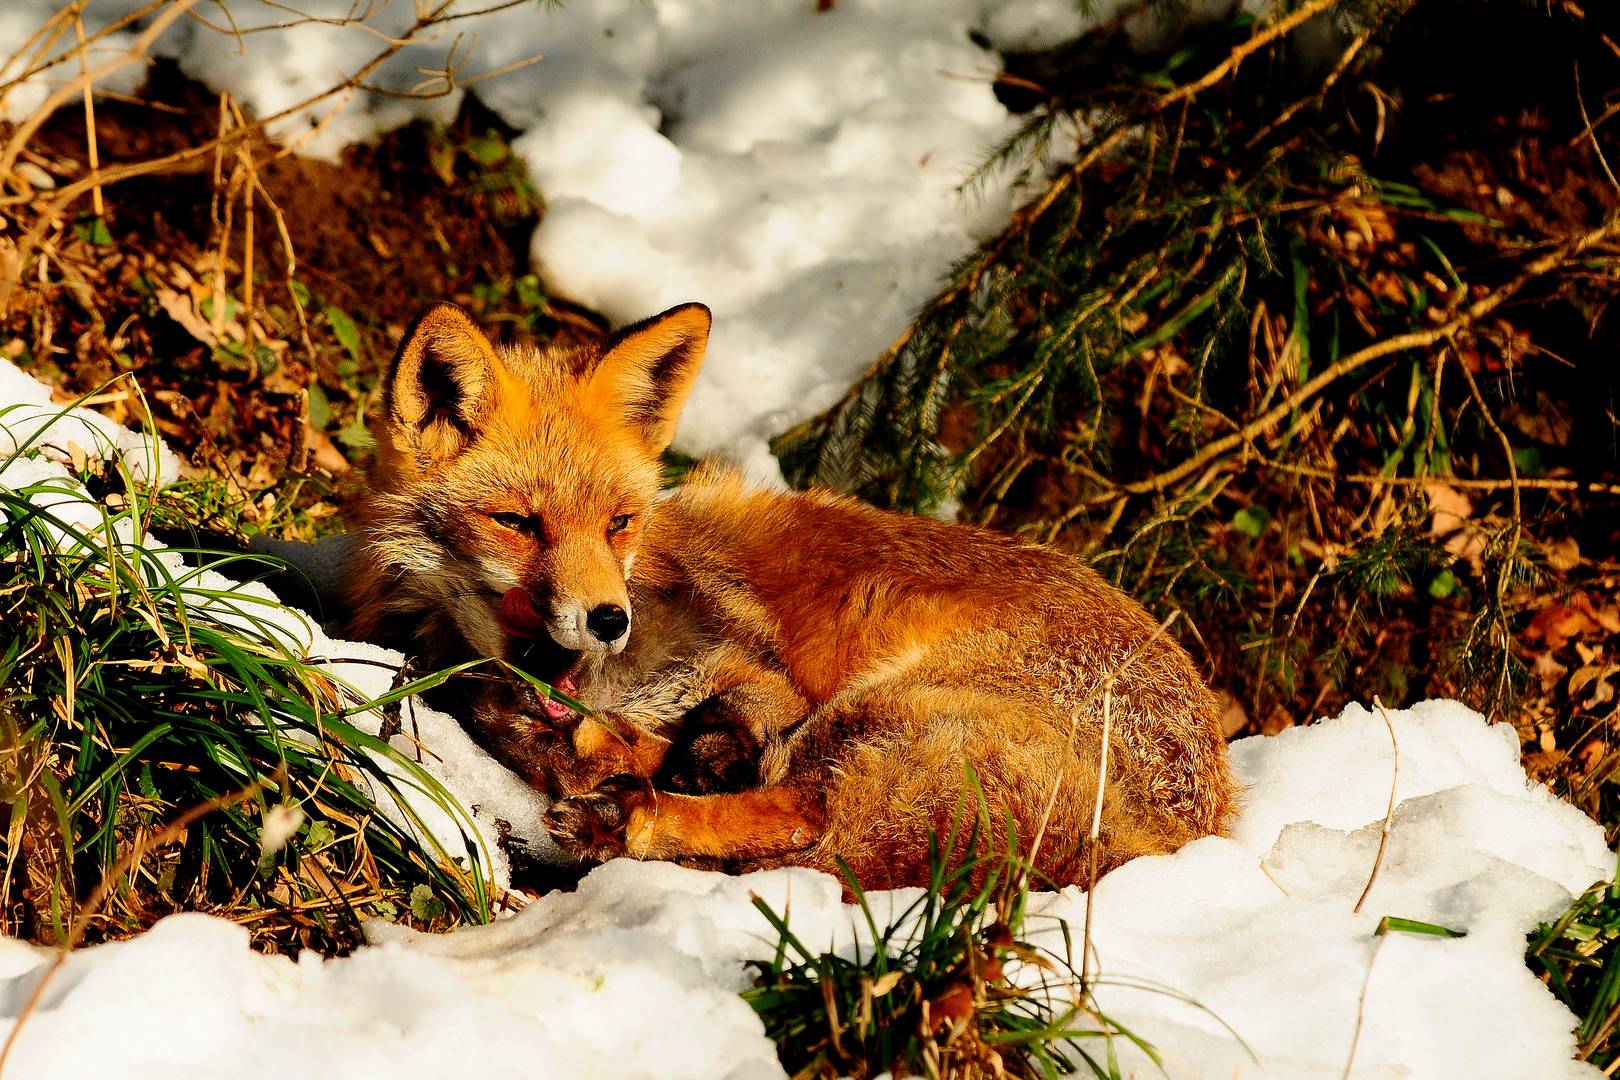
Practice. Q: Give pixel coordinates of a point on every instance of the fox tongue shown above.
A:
(517, 615)
(519, 618)
(556, 710)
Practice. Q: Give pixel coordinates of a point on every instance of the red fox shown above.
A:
(772, 678)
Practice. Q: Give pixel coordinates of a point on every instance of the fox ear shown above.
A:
(441, 385)
(647, 370)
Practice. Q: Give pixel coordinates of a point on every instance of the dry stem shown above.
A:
(1389, 814)
(1093, 836)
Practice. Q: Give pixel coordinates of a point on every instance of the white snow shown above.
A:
(636, 973)
(796, 170)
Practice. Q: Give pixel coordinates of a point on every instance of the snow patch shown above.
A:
(796, 170)
(636, 973)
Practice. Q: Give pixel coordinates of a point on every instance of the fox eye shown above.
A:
(619, 524)
(516, 522)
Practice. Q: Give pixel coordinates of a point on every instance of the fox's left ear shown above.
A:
(647, 370)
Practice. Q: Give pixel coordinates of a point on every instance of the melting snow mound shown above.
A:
(636, 974)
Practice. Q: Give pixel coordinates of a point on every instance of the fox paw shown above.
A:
(710, 762)
(591, 827)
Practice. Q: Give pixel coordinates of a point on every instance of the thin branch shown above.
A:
(1093, 837)
(1364, 356)
(91, 153)
(1025, 217)
(1544, 483)
(1389, 814)
(1102, 689)
(137, 51)
(430, 16)
(1591, 131)
(1361, 1006)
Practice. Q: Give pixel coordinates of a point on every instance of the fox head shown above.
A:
(502, 468)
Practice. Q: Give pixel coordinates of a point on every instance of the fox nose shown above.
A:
(607, 622)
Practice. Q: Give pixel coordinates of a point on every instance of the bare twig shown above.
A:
(136, 52)
(1361, 1006)
(1093, 837)
(1389, 814)
(1024, 218)
(1527, 483)
(1504, 574)
(1102, 689)
(1591, 130)
(429, 15)
(91, 154)
(1364, 356)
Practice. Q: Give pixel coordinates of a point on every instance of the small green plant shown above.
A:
(136, 687)
(1575, 956)
(946, 988)
(485, 166)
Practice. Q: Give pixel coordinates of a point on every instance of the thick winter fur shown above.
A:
(804, 677)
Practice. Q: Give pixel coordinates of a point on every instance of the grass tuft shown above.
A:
(1575, 956)
(947, 987)
(138, 684)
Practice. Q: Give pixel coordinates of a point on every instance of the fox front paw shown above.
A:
(592, 827)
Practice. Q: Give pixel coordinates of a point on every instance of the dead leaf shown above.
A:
(1557, 623)
(1607, 618)
(1564, 554)
(1548, 670)
(1545, 421)
(1233, 717)
(951, 1006)
(1587, 673)
(324, 453)
(178, 307)
(886, 982)
(1450, 516)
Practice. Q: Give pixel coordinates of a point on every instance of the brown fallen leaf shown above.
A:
(1589, 673)
(1548, 670)
(178, 306)
(1450, 517)
(323, 452)
(1563, 555)
(1233, 716)
(1608, 618)
(1557, 623)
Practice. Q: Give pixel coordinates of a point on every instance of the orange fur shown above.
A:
(806, 676)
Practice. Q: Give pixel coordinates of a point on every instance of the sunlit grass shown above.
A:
(137, 683)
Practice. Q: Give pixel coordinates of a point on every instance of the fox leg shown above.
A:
(749, 707)
(698, 729)
(598, 749)
(626, 816)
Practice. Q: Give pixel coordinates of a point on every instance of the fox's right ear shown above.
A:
(441, 386)
(646, 371)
